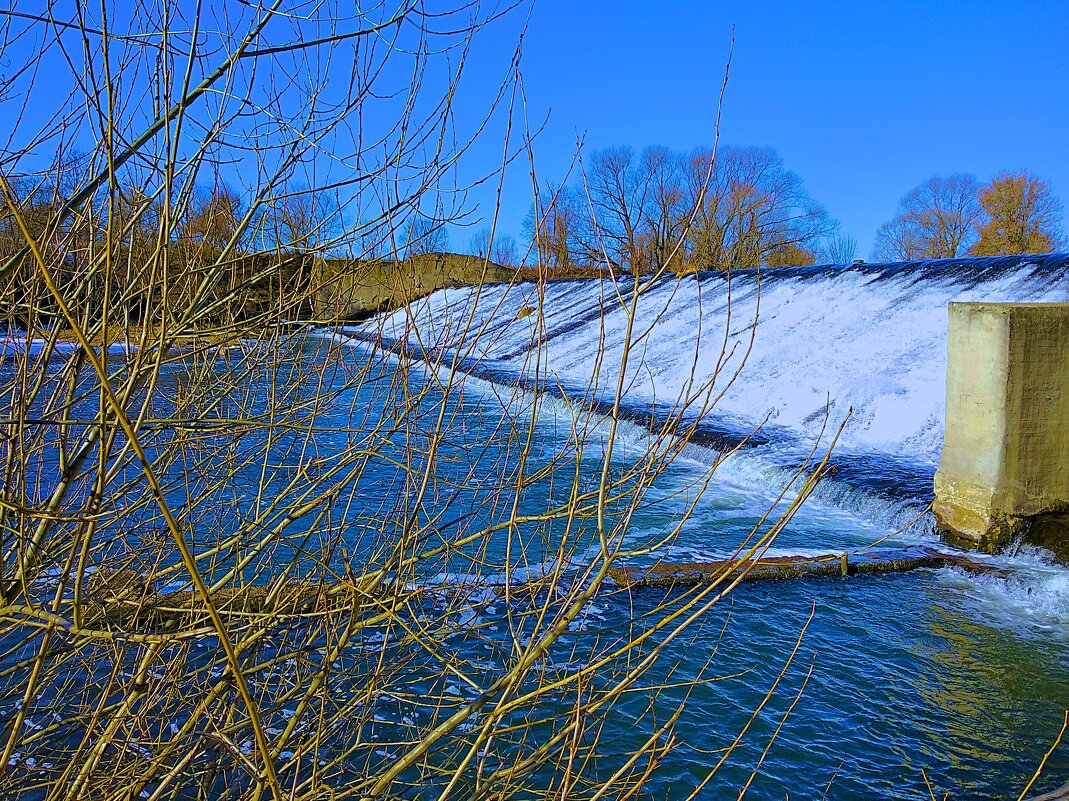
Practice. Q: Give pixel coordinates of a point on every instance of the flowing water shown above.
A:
(932, 676)
(959, 678)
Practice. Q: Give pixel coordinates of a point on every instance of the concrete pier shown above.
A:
(1005, 459)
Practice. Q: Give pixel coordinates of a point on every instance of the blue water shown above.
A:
(878, 686)
(933, 673)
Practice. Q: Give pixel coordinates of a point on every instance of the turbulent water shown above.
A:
(961, 677)
(870, 337)
(932, 677)
(798, 350)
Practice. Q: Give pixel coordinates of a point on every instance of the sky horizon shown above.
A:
(862, 101)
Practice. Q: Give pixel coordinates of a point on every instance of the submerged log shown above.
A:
(780, 568)
(124, 603)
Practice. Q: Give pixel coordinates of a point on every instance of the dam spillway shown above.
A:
(795, 351)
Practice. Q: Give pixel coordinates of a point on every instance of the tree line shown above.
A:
(737, 207)
(956, 216)
(207, 249)
(133, 247)
(740, 207)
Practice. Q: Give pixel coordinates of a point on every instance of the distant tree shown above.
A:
(898, 240)
(837, 250)
(748, 206)
(504, 251)
(300, 220)
(212, 218)
(618, 187)
(936, 220)
(479, 244)
(38, 203)
(425, 234)
(790, 256)
(665, 213)
(1021, 215)
(557, 226)
(500, 250)
(662, 209)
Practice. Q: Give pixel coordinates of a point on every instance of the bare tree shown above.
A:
(837, 250)
(790, 256)
(300, 219)
(666, 214)
(212, 218)
(505, 251)
(935, 220)
(752, 207)
(424, 234)
(1021, 214)
(663, 210)
(559, 228)
(479, 244)
(618, 188)
(239, 561)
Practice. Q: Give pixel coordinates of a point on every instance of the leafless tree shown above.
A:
(425, 234)
(753, 207)
(935, 220)
(617, 188)
(837, 250)
(558, 225)
(666, 214)
(505, 251)
(479, 244)
(227, 549)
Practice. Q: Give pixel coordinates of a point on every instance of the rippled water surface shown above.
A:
(869, 687)
(959, 678)
(935, 675)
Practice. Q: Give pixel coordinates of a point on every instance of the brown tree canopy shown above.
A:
(1022, 215)
(791, 256)
(557, 225)
(936, 220)
(212, 218)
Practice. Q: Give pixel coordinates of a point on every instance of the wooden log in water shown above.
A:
(780, 568)
(124, 602)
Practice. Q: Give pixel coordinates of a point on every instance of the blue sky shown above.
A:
(864, 100)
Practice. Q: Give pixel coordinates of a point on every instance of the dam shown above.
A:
(790, 355)
(759, 372)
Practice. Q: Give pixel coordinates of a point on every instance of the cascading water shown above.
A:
(790, 350)
(867, 338)
(959, 675)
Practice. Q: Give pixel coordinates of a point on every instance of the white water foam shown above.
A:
(871, 339)
(1030, 596)
(852, 338)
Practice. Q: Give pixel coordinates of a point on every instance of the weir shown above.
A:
(793, 350)
(1005, 456)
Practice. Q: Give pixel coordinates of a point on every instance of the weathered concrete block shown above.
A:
(1005, 456)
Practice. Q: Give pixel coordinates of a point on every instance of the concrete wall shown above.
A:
(1005, 453)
